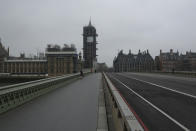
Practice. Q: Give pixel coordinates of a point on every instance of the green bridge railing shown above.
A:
(17, 94)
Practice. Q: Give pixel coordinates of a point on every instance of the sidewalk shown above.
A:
(70, 108)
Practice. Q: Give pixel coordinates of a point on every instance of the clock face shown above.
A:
(90, 39)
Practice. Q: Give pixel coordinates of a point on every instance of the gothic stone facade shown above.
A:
(25, 66)
(167, 61)
(58, 61)
(3, 54)
(89, 45)
(173, 61)
(188, 61)
(141, 62)
(61, 60)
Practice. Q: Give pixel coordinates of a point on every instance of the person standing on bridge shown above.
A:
(81, 73)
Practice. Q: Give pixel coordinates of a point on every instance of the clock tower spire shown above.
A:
(90, 22)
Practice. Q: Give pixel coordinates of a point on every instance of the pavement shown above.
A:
(72, 107)
(164, 103)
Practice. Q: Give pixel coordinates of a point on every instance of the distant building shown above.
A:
(188, 61)
(89, 45)
(167, 61)
(173, 61)
(58, 61)
(133, 62)
(23, 65)
(61, 60)
(3, 54)
(101, 67)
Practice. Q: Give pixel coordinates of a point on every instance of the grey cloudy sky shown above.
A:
(29, 25)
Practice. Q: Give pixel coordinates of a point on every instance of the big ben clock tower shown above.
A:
(89, 45)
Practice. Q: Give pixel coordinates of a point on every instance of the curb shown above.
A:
(102, 124)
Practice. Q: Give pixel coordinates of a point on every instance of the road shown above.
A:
(69, 108)
(164, 103)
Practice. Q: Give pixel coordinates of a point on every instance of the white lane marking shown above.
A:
(183, 93)
(169, 117)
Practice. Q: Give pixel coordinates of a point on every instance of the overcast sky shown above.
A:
(29, 25)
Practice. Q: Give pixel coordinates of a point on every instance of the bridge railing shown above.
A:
(31, 82)
(184, 73)
(123, 118)
(14, 95)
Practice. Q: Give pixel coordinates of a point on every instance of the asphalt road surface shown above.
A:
(164, 103)
(69, 108)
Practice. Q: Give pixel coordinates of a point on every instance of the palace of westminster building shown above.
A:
(56, 60)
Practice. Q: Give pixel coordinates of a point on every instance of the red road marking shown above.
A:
(132, 110)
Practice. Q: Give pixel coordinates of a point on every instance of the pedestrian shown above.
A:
(81, 73)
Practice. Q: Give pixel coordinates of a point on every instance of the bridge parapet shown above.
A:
(123, 118)
(15, 95)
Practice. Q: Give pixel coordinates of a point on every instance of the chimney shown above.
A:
(129, 51)
(171, 50)
(22, 55)
(147, 51)
(121, 51)
(160, 52)
(8, 51)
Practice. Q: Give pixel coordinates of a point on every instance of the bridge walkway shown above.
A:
(70, 108)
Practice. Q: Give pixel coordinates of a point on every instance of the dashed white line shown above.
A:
(163, 87)
(155, 107)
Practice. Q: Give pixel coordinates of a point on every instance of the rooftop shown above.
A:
(58, 48)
